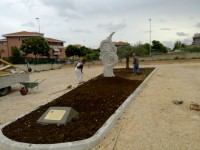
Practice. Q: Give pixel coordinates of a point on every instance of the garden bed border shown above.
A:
(8, 144)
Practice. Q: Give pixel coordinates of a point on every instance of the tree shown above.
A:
(178, 45)
(16, 52)
(36, 45)
(141, 49)
(16, 57)
(158, 47)
(191, 48)
(72, 50)
(84, 51)
(125, 52)
(93, 55)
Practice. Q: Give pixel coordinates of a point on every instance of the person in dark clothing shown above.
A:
(136, 65)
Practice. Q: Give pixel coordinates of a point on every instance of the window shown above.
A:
(19, 39)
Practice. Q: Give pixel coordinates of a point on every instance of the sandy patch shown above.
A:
(152, 121)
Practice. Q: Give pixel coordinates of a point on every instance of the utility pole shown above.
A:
(150, 39)
(38, 19)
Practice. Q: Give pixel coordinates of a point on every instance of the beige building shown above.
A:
(15, 39)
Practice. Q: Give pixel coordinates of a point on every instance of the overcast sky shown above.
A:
(88, 22)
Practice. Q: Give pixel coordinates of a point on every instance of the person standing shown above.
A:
(135, 64)
(79, 71)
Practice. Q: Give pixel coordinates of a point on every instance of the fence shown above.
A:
(40, 67)
(30, 60)
(36, 64)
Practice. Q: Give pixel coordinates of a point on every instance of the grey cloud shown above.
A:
(198, 25)
(162, 21)
(30, 4)
(77, 9)
(60, 4)
(87, 8)
(65, 8)
(7, 4)
(191, 18)
(181, 34)
(112, 27)
(70, 14)
(187, 41)
(169, 44)
(80, 31)
(165, 29)
(28, 24)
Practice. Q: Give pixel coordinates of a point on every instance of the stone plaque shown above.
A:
(57, 115)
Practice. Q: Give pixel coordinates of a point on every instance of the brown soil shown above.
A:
(95, 101)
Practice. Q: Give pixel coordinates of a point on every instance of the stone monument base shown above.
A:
(57, 115)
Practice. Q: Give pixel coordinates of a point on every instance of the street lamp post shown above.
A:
(150, 38)
(38, 19)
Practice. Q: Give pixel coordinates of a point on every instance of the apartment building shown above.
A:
(3, 48)
(196, 39)
(15, 39)
(56, 48)
(120, 43)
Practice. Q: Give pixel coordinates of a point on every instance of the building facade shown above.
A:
(56, 48)
(3, 48)
(196, 39)
(15, 39)
(120, 43)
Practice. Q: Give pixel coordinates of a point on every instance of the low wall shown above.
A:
(169, 56)
(40, 67)
(172, 56)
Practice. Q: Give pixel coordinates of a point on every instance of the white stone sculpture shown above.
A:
(108, 56)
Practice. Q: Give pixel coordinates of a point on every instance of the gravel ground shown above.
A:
(152, 121)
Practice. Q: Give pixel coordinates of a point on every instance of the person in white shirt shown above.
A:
(79, 71)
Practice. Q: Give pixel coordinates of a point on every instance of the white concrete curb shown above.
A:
(8, 144)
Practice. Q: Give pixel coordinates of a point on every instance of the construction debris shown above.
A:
(177, 102)
(9, 75)
(7, 68)
(195, 106)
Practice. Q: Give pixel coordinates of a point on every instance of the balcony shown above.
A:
(56, 51)
(53, 46)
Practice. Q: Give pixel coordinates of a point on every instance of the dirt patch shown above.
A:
(95, 100)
